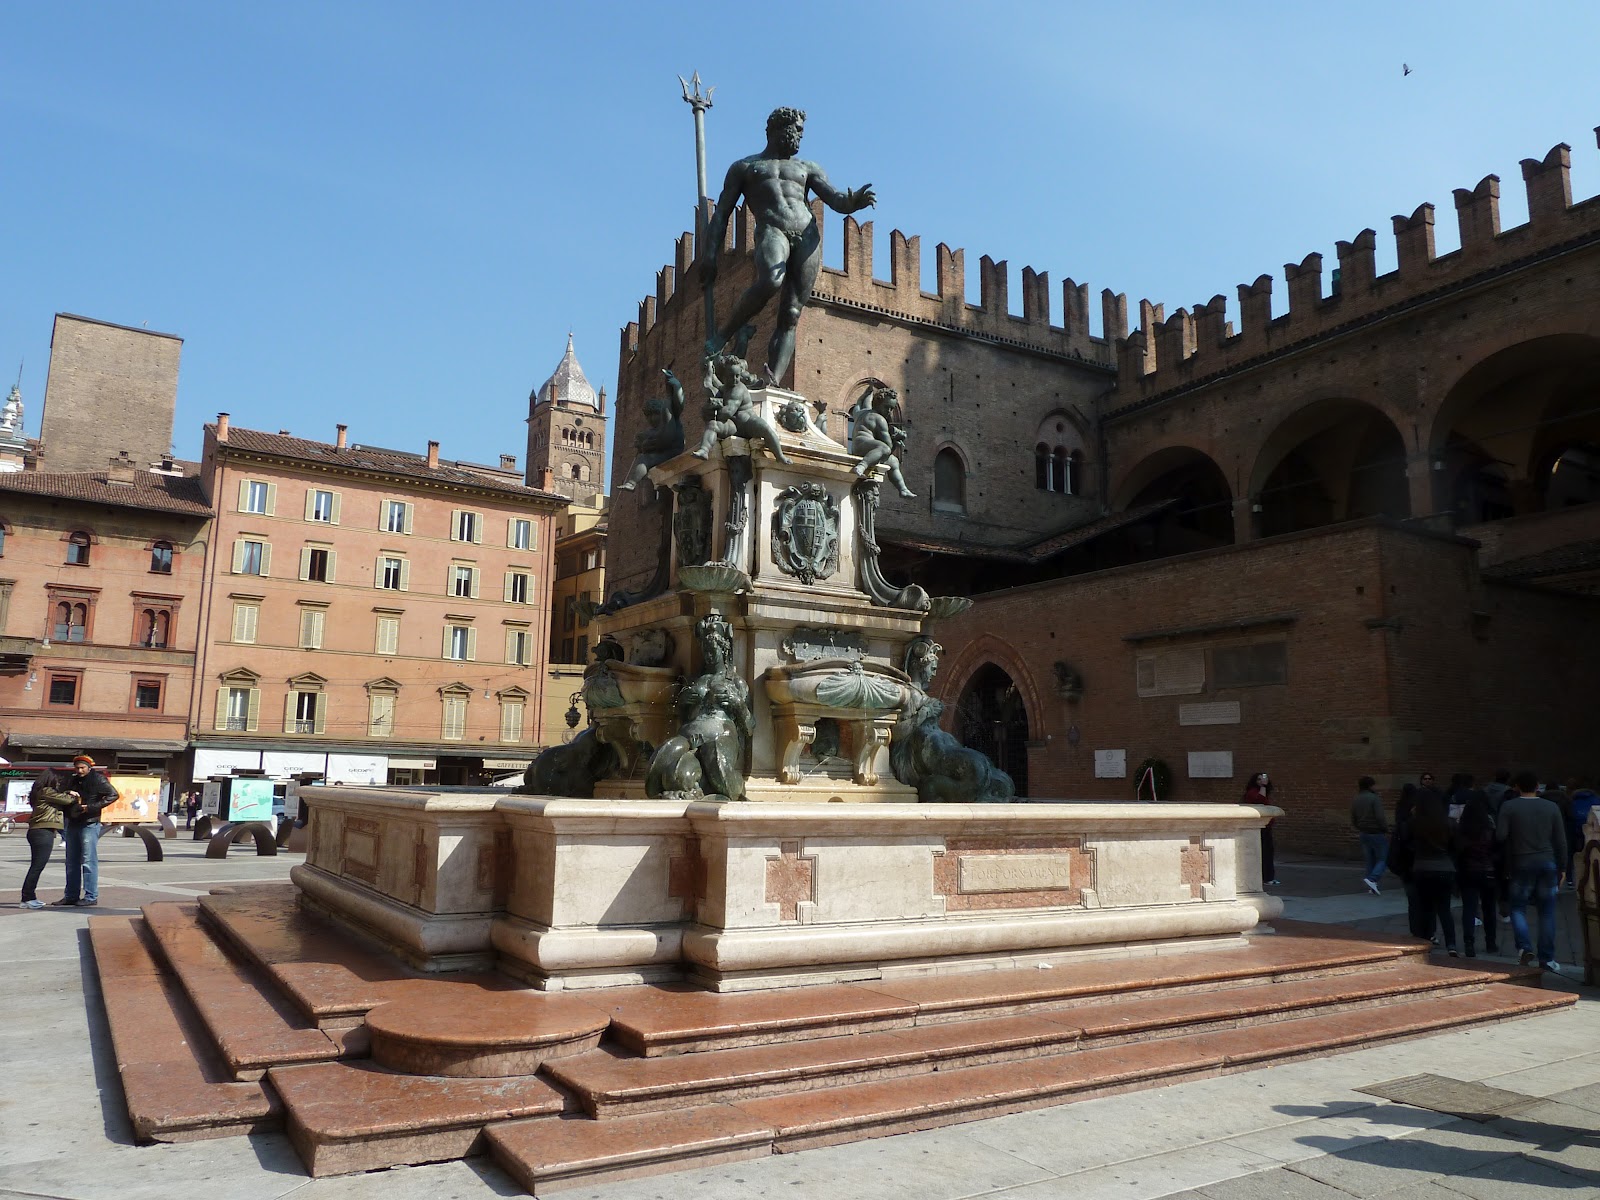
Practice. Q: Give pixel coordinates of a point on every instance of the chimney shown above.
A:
(222, 427)
(341, 436)
(121, 469)
(433, 456)
(508, 462)
(547, 479)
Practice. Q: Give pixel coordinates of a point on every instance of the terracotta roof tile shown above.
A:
(1561, 560)
(368, 458)
(179, 494)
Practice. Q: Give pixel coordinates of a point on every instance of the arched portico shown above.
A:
(1332, 460)
(1202, 512)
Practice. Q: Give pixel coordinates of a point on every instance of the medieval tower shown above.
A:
(567, 432)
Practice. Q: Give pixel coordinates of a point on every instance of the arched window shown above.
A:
(154, 624)
(949, 481)
(78, 549)
(577, 472)
(161, 558)
(1074, 473)
(71, 622)
(1058, 469)
(1041, 467)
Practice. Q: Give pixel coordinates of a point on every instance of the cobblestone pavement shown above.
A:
(1314, 1130)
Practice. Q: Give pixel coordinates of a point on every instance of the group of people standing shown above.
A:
(68, 804)
(1502, 847)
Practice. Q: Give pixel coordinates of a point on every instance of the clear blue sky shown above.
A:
(390, 214)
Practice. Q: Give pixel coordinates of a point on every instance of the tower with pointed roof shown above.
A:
(567, 432)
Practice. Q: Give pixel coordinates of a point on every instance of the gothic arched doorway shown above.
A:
(991, 718)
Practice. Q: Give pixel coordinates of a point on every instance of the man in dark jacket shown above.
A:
(95, 794)
(1366, 816)
(1530, 827)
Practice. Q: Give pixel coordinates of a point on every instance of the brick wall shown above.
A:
(110, 389)
(1392, 667)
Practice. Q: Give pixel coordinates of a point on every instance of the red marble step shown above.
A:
(251, 1026)
(330, 976)
(656, 1021)
(344, 1117)
(832, 1115)
(545, 1156)
(175, 1088)
(607, 1083)
(465, 1031)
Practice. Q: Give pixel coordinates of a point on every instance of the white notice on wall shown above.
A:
(1110, 764)
(1220, 712)
(1211, 764)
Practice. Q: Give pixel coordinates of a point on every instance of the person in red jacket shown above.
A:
(1259, 791)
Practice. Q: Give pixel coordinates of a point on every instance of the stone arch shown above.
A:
(988, 648)
(1334, 458)
(1059, 454)
(1518, 431)
(1199, 515)
(990, 716)
(949, 474)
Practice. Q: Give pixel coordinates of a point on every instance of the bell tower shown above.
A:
(567, 432)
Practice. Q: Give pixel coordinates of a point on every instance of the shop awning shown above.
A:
(56, 741)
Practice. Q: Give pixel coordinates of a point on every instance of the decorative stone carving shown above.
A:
(621, 599)
(662, 437)
(651, 648)
(740, 472)
(573, 769)
(810, 642)
(928, 758)
(791, 879)
(854, 688)
(942, 608)
(805, 532)
(691, 522)
(823, 703)
(881, 591)
(707, 756)
(714, 577)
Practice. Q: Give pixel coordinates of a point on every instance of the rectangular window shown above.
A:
(1252, 665)
(521, 531)
(396, 516)
(64, 690)
(316, 564)
(238, 709)
(161, 558)
(147, 694)
(591, 559)
(519, 587)
(311, 623)
(569, 613)
(458, 642)
(511, 720)
(245, 618)
(392, 573)
(455, 719)
(380, 714)
(387, 639)
(464, 581)
(466, 526)
(251, 557)
(255, 496)
(322, 506)
(306, 706)
(519, 647)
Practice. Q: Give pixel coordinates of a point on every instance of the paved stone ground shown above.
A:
(1302, 1131)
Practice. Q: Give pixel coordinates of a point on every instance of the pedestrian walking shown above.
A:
(1259, 791)
(1497, 791)
(1372, 828)
(1475, 875)
(50, 800)
(1432, 845)
(1530, 829)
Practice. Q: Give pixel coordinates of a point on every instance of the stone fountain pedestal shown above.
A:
(782, 681)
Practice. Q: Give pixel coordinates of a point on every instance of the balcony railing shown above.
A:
(238, 724)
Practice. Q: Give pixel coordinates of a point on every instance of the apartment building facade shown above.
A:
(100, 583)
(371, 615)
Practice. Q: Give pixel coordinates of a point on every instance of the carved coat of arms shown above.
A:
(805, 532)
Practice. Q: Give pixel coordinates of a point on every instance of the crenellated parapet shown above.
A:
(1166, 354)
(1040, 325)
